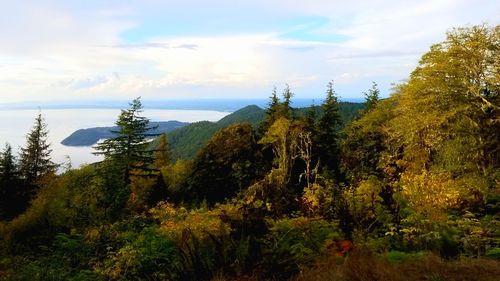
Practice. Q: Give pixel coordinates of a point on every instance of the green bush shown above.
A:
(400, 257)
(493, 253)
(148, 255)
(296, 242)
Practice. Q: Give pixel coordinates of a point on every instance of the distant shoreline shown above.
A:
(224, 105)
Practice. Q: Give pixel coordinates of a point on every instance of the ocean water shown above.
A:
(16, 124)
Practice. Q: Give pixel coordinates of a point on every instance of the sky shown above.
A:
(120, 49)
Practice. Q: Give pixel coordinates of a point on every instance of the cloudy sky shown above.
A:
(93, 49)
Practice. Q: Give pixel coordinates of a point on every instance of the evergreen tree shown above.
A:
(129, 149)
(125, 155)
(35, 161)
(10, 187)
(271, 113)
(371, 97)
(310, 119)
(327, 137)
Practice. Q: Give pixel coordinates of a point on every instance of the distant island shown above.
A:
(90, 136)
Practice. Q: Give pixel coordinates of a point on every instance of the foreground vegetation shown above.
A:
(407, 191)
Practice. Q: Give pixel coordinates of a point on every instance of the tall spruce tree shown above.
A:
(35, 160)
(277, 109)
(271, 113)
(327, 135)
(10, 188)
(310, 119)
(129, 148)
(127, 154)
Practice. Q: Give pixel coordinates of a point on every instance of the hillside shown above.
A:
(90, 136)
(187, 141)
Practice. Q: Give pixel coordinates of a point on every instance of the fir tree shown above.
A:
(35, 160)
(371, 97)
(125, 155)
(327, 136)
(310, 119)
(129, 149)
(10, 187)
(271, 113)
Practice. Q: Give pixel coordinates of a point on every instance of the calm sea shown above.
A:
(15, 124)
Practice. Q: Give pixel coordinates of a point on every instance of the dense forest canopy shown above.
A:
(409, 190)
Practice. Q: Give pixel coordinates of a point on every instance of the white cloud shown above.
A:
(56, 50)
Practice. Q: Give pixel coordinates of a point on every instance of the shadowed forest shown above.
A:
(408, 189)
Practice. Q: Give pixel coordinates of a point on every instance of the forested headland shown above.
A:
(407, 190)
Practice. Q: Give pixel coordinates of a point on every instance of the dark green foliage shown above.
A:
(348, 111)
(271, 112)
(400, 257)
(11, 192)
(129, 148)
(493, 253)
(329, 124)
(226, 165)
(187, 141)
(127, 155)
(35, 161)
(310, 119)
(251, 114)
(276, 109)
(114, 188)
(364, 142)
(145, 255)
(297, 242)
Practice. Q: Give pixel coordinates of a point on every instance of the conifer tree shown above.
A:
(10, 187)
(310, 119)
(271, 113)
(125, 155)
(129, 149)
(327, 135)
(277, 109)
(371, 97)
(35, 160)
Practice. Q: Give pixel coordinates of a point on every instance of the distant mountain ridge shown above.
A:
(90, 136)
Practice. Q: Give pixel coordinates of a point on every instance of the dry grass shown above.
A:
(362, 266)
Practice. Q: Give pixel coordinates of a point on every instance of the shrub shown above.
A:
(296, 242)
(148, 255)
(493, 253)
(400, 257)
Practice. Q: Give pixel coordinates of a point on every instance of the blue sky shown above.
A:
(91, 50)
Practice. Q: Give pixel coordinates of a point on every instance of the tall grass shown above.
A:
(363, 266)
